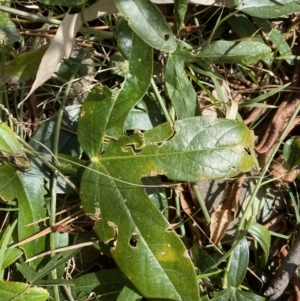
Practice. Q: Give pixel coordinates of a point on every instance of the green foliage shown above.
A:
(291, 151)
(148, 23)
(21, 292)
(144, 127)
(267, 9)
(9, 32)
(23, 67)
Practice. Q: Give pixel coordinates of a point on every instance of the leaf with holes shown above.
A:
(148, 23)
(111, 191)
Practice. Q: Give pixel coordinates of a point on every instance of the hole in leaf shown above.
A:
(134, 240)
(166, 37)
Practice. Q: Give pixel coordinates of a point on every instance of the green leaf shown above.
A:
(68, 143)
(107, 283)
(243, 27)
(221, 296)
(275, 36)
(245, 296)
(67, 3)
(180, 8)
(111, 191)
(137, 80)
(179, 88)
(9, 31)
(267, 9)
(11, 148)
(15, 184)
(239, 263)
(263, 237)
(21, 292)
(245, 52)
(92, 136)
(23, 67)
(148, 23)
(129, 293)
(5, 240)
(145, 115)
(201, 259)
(11, 255)
(56, 261)
(291, 151)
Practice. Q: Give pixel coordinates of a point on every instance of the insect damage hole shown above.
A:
(166, 37)
(134, 240)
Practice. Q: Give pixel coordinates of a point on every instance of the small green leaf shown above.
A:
(91, 131)
(4, 242)
(105, 283)
(11, 255)
(23, 67)
(148, 23)
(222, 295)
(11, 148)
(291, 151)
(68, 3)
(242, 26)
(129, 293)
(267, 9)
(180, 7)
(245, 52)
(263, 236)
(239, 263)
(145, 115)
(53, 263)
(21, 292)
(201, 259)
(180, 90)
(245, 296)
(8, 28)
(137, 80)
(275, 36)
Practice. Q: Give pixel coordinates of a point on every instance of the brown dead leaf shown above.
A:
(188, 207)
(63, 42)
(226, 211)
(282, 173)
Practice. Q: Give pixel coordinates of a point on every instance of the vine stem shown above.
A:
(52, 219)
(161, 102)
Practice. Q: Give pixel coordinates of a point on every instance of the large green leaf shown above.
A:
(190, 150)
(179, 88)
(21, 292)
(275, 36)
(268, 9)
(148, 23)
(28, 188)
